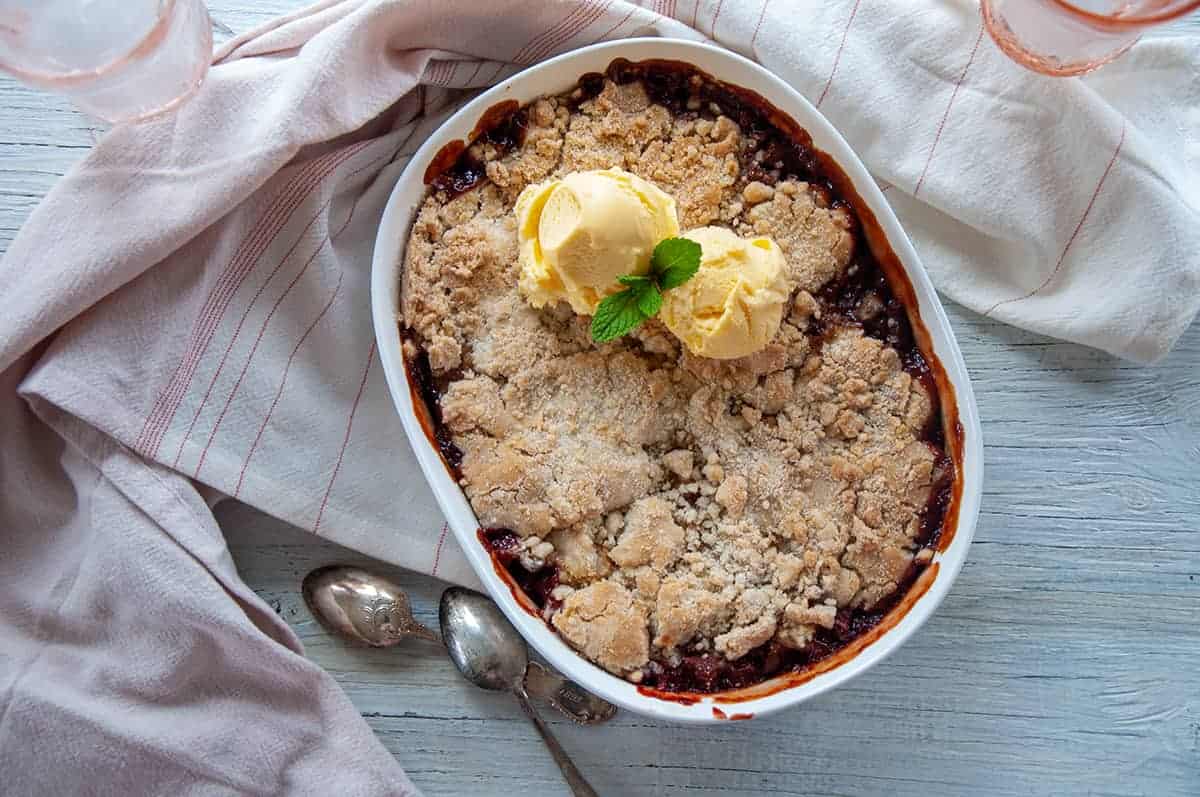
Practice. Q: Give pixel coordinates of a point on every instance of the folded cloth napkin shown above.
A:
(187, 317)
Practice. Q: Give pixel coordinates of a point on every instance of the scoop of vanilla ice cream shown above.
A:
(578, 234)
(733, 306)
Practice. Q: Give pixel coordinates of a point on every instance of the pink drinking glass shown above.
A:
(118, 60)
(1061, 38)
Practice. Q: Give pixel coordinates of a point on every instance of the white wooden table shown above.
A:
(1065, 661)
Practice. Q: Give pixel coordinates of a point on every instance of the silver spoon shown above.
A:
(368, 609)
(490, 653)
(361, 606)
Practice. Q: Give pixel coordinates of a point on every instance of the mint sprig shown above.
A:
(674, 262)
(619, 313)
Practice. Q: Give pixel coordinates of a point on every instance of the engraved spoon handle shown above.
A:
(568, 697)
(409, 627)
(579, 786)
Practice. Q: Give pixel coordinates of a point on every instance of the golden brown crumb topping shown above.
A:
(689, 505)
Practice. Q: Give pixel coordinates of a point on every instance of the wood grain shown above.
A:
(1066, 660)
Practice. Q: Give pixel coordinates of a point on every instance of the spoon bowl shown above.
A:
(362, 607)
(483, 645)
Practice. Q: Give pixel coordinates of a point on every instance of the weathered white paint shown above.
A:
(1065, 661)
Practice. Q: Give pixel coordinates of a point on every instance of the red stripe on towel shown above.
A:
(471, 80)
(437, 554)
(258, 294)
(150, 433)
(250, 357)
(758, 25)
(237, 333)
(610, 31)
(220, 297)
(239, 267)
(1067, 247)
(283, 381)
(595, 12)
(837, 58)
(548, 33)
(349, 425)
(949, 105)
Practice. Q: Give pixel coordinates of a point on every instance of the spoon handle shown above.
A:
(568, 697)
(579, 786)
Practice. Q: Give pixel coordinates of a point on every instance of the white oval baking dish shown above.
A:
(557, 75)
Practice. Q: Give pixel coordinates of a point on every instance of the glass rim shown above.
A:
(1106, 21)
(143, 47)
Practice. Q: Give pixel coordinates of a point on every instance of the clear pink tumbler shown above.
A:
(1061, 38)
(118, 60)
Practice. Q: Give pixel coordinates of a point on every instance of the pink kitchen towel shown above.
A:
(187, 318)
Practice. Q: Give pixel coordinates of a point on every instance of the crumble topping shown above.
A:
(688, 505)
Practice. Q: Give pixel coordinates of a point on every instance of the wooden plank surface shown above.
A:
(1066, 660)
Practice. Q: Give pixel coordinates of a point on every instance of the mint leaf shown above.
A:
(633, 279)
(675, 276)
(675, 261)
(617, 314)
(649, 299)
